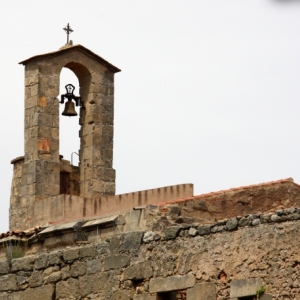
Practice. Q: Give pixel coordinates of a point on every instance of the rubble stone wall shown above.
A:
(226, 260)
(241, 201)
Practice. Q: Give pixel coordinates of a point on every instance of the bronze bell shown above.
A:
(69, 109)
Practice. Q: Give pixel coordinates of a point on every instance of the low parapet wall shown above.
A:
(64, 208)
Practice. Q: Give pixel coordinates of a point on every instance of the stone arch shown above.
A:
(84, 77)
(70, 144)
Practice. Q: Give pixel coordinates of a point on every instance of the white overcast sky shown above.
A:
(209, 91)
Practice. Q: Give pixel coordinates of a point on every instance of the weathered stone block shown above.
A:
(243, 222)
(49, 271)
(50, 166)
(244, 287)
(93, 266)
(172, 283)
(116, 262)
(171, 233)
(86, 285)
(202, 291)
(204, 229)
(232, 224)
(138, 271)
(78, 269)
(36, 279)
(68, 289)
(265, 218)
(42, 101)
(71, 254)
(102, 248)
(3, 296)
(256, 222)
(23, 263)
(21, 279)
(106, 174)
(120, 295)
(193, 232)
(55, 258)
(44, 120)
(33, 90)
(87, 251)
(94, 283)
(150, 236)
(218, 228)
(4, 267)
(54, 277)
(45, 292)
(41, 261)
(31, 102)
(114, 245)
(65, 272)
(274, 218)
(8, 282)
(132, 240)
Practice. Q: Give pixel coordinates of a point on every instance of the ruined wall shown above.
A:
(252, 199)
(225, 260)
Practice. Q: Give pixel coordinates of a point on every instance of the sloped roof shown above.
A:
(78, 47)
(224, 192)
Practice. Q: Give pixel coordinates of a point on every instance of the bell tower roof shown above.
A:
(70, 48)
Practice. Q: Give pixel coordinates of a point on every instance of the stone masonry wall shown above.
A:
(19, 210)
(216, 261)
(208, 208)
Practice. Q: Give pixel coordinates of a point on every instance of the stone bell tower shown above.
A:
(39, 173)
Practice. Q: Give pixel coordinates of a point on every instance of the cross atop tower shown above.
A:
(68, 30)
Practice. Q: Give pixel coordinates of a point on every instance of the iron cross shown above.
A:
(68, 30)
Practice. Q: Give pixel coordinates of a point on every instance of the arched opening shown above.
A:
(69, 126)
(71, 139)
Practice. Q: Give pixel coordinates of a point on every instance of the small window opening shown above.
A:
(64, 182)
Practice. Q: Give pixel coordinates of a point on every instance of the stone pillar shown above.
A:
(40, 170)
(97, 177)
(41, 132)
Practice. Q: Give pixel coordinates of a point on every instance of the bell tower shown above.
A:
(38, 174)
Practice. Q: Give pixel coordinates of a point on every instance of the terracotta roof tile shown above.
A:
(20, 233)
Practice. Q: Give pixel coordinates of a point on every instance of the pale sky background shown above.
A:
(209, 91)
